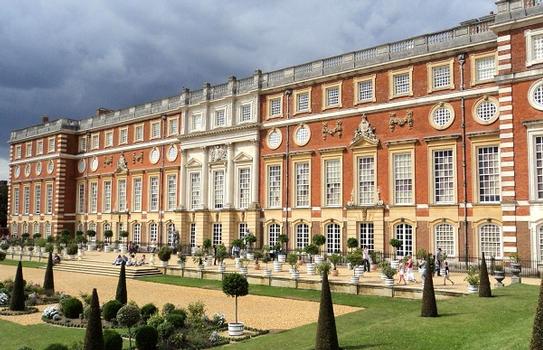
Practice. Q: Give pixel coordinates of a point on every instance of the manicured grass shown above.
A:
(502, 322)
(36, 336)
(34, 264)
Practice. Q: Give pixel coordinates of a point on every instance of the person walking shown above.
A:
(401, 272)
(409, 268)
(446, 275)
(438, 258)
(366, 259)
(422, 270)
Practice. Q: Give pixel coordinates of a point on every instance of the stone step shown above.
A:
(105, 270)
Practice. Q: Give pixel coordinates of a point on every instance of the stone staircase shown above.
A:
(94, 267)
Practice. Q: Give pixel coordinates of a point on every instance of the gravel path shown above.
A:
(255, 311)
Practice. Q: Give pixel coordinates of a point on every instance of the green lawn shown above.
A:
(33, 264)
(37, 336)
(502, 322)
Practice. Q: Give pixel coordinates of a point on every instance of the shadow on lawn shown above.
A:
(360, 347)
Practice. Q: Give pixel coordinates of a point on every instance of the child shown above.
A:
(446, 276)
(401, 270)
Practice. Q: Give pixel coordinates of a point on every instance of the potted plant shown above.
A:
(124, 236)
(238, 245)
(335, 259)
(352, 243)
(292, 260)
(164, 254)
(207, 251)
(376, 258)
(395, 243)
(473, 279)
(499, 275)
(40, 243)
(356, 258)
(91, 245)
(257, 255)
(198, 259)
(235, 285)
(243, 266)
(516, 267)
(220, 254)
(266, 258)
(250, 239)
(311, 250)
(389, 272)
(181, 260)
(4, 246)
(71, 250)
(282, 240)
(319, 241)
(107, 234)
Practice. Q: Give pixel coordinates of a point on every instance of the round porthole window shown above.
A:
(485, 111)
(154, 156)
(94, 164)
(275, 138)
(17, 171)
(82, 165)
(442, 116)
(38, 168)
(302, 135)
(27, 170)
(172, 153)
(50, 167)
(535, 95)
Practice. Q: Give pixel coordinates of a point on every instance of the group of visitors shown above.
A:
(129, 261)
(441, 267)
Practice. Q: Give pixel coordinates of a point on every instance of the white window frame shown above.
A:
(333, 237)
(326, 97)
(121, 195)
(173, 126)
(18, 151)
(242, 117)
(82, 143)
(367, 179)
(136, 233)
(121, 131)
(218, 188)
(153, 232)
(51, 142)
(137, 190)
(366, 235)
(48, 198)
(447, 244)
(302, 193)
(274, 230)
(37, 198)
(95, 141)
(449, 181)
(39, 147)
(192, 235)
(142, 136)
(431, 67)
(108, 139)
(296, 100)
(488, 253)
(28, 149)
(335, 188)
(481, 176)
(216, 113)
(303, 234)
(156, 131)
(274, 189)
(357, 82)
(93, 197)
(217, 234)
(154, 190)
(26, 200)
(196, 126)
(530, 34)
(171, 203)
(271, 112)
(195, 192)
(475, 72)
(243, 229)
(409, 198)
(402, 231)
(393, 93)
(107, 196)
(81, 190)
(244, 189)
(16, 200)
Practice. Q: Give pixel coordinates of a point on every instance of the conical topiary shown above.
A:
(484, 284)
(121, 294)
(49, 281)
(17, 302)
(537, 332)
(429, 306)
(94, 338)
(326, 326)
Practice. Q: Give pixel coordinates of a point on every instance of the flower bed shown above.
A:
(28, 310)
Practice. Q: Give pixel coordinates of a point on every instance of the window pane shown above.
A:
(302, 184)
(366, 182)
(302, 236)
(488, 162)
(244, 187)
(444, 239)
(365, 90)
(333, 238)
(404, 233)
(443, 176)
(218, 189)
(441, 76)
(485, 68)
(274, 185)
(402, 84)
(302, 102)
(332, 96)
(366, 235)
(490, 240)
(274, 230)
(333, 181)
(403, 181)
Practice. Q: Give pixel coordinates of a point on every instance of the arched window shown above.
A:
(490, 240)
(302, 235)
(14, 229)
(92, 227)
(136, 234)
(153, 232)
(404, 233)
(444, 239)
(25, 227)
(47, 229)
(80, 227)
(333, 238)
(36, 228)
(274, 230)
(171, 234)
(107, 227)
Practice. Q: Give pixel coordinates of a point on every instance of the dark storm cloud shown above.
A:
(66, 58)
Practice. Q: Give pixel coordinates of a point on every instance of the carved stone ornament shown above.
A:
(137, 157)
(217, 153)
(108, 161)
(122, 164)
(338, 129)
(397, 121)
(365, 130)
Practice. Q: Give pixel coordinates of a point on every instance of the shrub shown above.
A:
(49, 281)
(235, 285)
(146, 338)
(71, 249)
(352, 243)
(17, 302)
(128, 315)
(326, 338)
(311, 249)
(484, 287)
(165, 330)
(94, 338)
(396, 243)
(197, 310)
(319, 240)
(2, 256)
(155, 320)
(50, 312)
(112, 340)
(91, 233)
(167, 308)
(4, 246)
(121, 294)
(71, 307)
(165, 253)
(110, 309)
(147, 311)
(56, 346)
(177, 320)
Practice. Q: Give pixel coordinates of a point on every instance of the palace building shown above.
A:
(436, 140)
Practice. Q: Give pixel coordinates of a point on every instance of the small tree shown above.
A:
(283, 240)
(17, 302)
(395, 243)
(165, 253)
(311, 249)
(429, 306)
(537, 331)
(352, 243)
(207, 245)
(292, 260)
(355, 258)
(250, 239)
(235, 285)
(319, 241)
(49, 281)
(94, 338)
(108, 234)
(221, 253)
(326, 326)
(335, 259)
(484, 286)
(129, 316)
(121, 293)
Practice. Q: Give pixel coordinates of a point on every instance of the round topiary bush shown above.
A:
(177, 320)
(155, 320)
(110, 309)
(112, 340)
(146, 338)
(2, 256)
(71, 249)
(167, 308)
(165, 253)
(71, 307)
(56, 346)
(147, 311)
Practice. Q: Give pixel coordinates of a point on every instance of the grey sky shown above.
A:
(66, 58)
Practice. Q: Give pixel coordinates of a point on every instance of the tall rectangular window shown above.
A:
(109, 139)
(37, 199)
(274, 186)
(48, 198)
(366, 232)
(366, 180)
(138, 133)
(95, 141)
(220, 117)
(302, 102)
(537, 47)
(488, 172)
(218, 189)
(302, 184)
(443, 176)
(193, 235)
(401, 84)
(332, 181)
(485, 68)
(243, 229)
(217, 234)
(123, 136)
(18, 152)
(121, 195)
(195, 199)
(172, 191)
(403, 178)
(81, 198)
(538, 142)
(39, 147)
(172, 126)
(107, 196)
(332, 95)
(16, 201)
(137, 188)
(51, 144)
(94, 197)
(275, 107)
(244, 186)
(441, 76)
(196, 122)
(153, 193)
(83, 144)
(365, 90)
(246, 112)
(155, 130)
(28, 147)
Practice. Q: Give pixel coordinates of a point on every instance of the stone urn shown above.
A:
(499, 276)
(318, 259)
(243, 270)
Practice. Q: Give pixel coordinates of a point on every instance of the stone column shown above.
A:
(205, 178)
(183, 181)
(229, 190)
(255, 175)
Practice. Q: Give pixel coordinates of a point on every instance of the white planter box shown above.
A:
(250, 256)
(389, 282)
(355, 279)
(281, 258)
(295, 275)
(473, 288)
(310, 269)
(277, 266)
(235, 329)
(318, 259)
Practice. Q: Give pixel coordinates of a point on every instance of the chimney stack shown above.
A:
(101, 111)
(44, 119)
